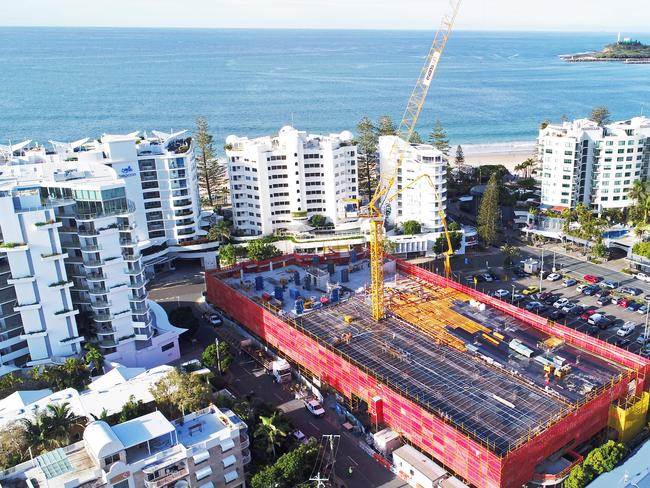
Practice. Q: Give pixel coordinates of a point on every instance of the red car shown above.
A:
(587, 314)
(592, 278)
(624, 302)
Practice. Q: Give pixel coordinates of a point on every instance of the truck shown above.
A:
(279, 368)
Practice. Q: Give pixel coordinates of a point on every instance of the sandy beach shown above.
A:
(509, 154)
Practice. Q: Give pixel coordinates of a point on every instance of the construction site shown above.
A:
(497, 395)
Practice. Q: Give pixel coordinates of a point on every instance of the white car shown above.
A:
(488, 278)
(215, 319)
(581, 287)
(626, 329)
(561, 302)
(554, 277)
(569, 307)
(501, 293)
(314, 407)
(642, 277)
(299, 436)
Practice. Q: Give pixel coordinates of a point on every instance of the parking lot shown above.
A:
(618, 315)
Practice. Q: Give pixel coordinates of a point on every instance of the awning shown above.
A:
(159, 260)
(229, 461)
(231, 476)
(227, 445)
(209, 484)
(203, 473)
(200, 457)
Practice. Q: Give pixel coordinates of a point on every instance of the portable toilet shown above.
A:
(334, 294)
(345, 276)
(331, 268)
(296, 277)
(259, 283)
(353, 256)
(306, 284)
(300, 306)
(294, 293)
(278, 293)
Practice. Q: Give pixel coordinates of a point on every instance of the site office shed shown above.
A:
(468, 457)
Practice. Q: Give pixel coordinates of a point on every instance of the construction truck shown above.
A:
(279, 368)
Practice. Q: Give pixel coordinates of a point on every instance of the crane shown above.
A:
(407, 126)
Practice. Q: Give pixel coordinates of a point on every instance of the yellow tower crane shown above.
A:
(405, 131)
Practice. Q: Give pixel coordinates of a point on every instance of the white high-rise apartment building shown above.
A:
(277, 183)
(420, 202)
(582, 162)
(80, 225)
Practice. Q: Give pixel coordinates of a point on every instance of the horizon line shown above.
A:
(369, 29)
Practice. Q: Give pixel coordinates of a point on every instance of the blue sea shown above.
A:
(64, 84)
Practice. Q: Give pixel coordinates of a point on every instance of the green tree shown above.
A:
(544, 124)
(389, 246)
(227, 255)
(416, 138)
(9, 383)
(13, 445)
(95, 358)
(579, 477)
(438, 138)
(272, 430)
(600, 115)
(178, 392)
(317, 220)
(440, 245)
(206, 163)
(367, 140)
(260, 249)
(510, 253)
(386, 127)
(641, 196)
(488, 214)
(289, 470)
(59, 419)
(599, 250)
(606, 457)
(460, 156)
(219, 232)
(103, 416)
(133, 409)
(221, 361)
(412, 227)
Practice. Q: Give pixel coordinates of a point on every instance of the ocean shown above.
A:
(68, 83)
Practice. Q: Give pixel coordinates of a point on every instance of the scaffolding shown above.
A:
(629, 416)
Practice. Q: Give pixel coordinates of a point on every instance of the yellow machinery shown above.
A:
(405, 131)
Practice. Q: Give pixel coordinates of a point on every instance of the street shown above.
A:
(184, 288)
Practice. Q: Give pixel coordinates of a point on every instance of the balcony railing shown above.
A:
(166, 480)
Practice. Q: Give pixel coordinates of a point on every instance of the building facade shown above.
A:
(420, 202)
(278, 183)
(73, 257)
(582, 162)
(205, 449)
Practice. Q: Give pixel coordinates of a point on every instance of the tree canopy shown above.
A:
(386, 127)
(412, 227)
(221, 361)
(261, 249)
(178, 392)
(488, 214)
(317, 220)
(206, 161)
(290, 469)
(600, 115)
(438, 138)
(367, 139)
(460, 156)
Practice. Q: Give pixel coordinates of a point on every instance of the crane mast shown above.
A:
(405, 131)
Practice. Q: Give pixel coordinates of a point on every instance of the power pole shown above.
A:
(329, 442)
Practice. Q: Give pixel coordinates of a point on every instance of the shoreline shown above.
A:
(509, 154)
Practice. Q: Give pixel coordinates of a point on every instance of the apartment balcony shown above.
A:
(90, 248)
(137, 297)
(33, 335)
(72, 340)
(27, 306)
(246, 456)
(97, 290)
(143, 337)
(47, 258)
(128, 242)
(107, 343)
(136, 270)
(182, 203)
(168, 479)
(244, 441)
(60, 285)
(95, 277)
(47, 225)
(126, 227)
(99, 304)
(137, 283)
(105, 331)
(66, 313)
(131, 257)
(21, 280)
(9, 247)
(103, 318)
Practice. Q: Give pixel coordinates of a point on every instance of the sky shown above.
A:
(550, 15)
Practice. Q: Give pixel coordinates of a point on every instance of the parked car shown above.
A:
(587, 313)
(645, 351)
(517, 297)
(479, 278)
(577, 310)
(642, 309)
(554, 277)
(615, 300)
(502, 293)
(569, 308)
(535, 307)
(550, 300)
(590, 290)
(624, 302)
(561, 302)
(529, 290)
(634, 306)
(629, 290)
(646, 298)
(594, 317)
(626, 329)
(215, 320)
(642, 277)
(544, 295)
(592, 278)
(593, 330)
(580, 288)
(494, 276)
(519, 272)
(314, 407)
(569, 282)
(557, 315)
(299, 436)
(601, 292)
(642, 339)
(612, 285)
(488, 277)
(604, 300)
(604, 323)
(622, 342)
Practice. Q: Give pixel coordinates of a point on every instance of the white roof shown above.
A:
(101, 440)
(20, 399)
(142, 429)
(115, 376)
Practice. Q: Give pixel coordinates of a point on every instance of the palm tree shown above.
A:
(219, 232)
(509, 253)
(272, 431)
(59, 419)
(102, 416)
(639, 193)
(36, 434)
(94, 357)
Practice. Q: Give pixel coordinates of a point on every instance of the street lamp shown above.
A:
(216, 341)
(512, 297)
(541, 271)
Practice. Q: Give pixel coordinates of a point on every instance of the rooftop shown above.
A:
(143, 429)
(451, 355)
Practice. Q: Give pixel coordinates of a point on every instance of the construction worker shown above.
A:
(350, 471)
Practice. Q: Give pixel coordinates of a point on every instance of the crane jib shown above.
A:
(435, 57)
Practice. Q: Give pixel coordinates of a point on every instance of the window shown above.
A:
(167, 347)
(149, 205)
(121, 484)
(108, 460)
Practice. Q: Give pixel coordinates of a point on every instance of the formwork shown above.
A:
(495, 447)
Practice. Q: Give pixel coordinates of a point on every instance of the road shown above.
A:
(184, 288)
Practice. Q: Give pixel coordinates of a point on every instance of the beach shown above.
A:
(509, 154)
